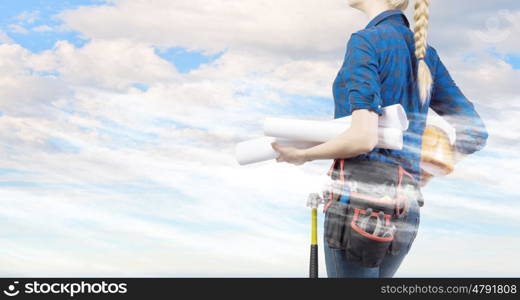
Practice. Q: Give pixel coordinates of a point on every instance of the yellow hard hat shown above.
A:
(436, 152)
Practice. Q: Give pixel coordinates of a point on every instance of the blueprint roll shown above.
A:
(322, 131)
(390, 138)
(260, 149)
(303, 130)
(394, 116)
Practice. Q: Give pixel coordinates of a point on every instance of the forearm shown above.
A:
(348, 144)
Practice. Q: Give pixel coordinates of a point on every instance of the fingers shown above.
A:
(285, 154)
(275, 147)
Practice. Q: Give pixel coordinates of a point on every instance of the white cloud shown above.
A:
(24, 91)
(114, 64)
(28, 17)
(16, 28)
(4, 38)
(42, 28)
(288, 27)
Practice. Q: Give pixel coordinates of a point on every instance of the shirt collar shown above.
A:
(387, 15)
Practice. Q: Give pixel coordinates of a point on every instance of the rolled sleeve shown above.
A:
(361, 75)
(450, 103)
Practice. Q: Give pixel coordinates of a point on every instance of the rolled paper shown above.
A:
(435, 120)
(304, 134)
(260, 149)
(322, 131)
(390, 138)
(394, 116)
(303, 130)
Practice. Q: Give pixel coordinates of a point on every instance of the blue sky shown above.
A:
(32, 15)
(185, 60)
(119, 123)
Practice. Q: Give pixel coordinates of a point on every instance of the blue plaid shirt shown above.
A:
(380, 69)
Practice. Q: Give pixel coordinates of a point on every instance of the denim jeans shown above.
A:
(338, 265)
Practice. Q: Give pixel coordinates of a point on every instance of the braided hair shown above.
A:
(421, 17)
(424, 76)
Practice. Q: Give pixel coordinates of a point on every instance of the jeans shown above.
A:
(338, 265)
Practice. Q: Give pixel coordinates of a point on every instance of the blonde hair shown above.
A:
(424, 76)
(398, 4)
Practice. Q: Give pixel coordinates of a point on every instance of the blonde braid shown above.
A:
(424, 76)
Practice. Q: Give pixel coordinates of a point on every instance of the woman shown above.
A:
(387, 63)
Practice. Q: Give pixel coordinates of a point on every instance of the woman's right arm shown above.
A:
(450, 103)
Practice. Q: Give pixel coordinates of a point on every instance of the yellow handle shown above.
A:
(314, 225)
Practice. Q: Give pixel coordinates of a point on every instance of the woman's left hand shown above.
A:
(289, 154)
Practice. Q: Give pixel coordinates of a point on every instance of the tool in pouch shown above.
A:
(360, 215)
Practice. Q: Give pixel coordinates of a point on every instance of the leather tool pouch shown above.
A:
(371, 224)
(335, 229)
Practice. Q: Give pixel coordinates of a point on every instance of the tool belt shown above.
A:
(366, 209)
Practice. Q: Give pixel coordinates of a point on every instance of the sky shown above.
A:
(118, 122)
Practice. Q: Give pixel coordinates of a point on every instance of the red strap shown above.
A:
(342, 165)
(354, 226)
(405, 172)
(342, 171)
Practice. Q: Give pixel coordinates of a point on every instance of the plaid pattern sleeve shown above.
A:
(450, 103)
(361, 77)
